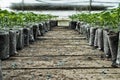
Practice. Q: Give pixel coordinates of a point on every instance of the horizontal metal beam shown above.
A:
(107, 2)
(17, 6)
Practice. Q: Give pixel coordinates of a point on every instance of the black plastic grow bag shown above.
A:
(35, 31)
(83, 28)
(96, 39)
(77, 26)
(106, 44)
(56, 23)
(45, 27)
(113, 42)
(100, 39)
(13, 42)
(4, 45)
(41, 28)
(38, 30)
(86, 31)
(26, 32)
(31, 36)
(72, 24)
(53, 23)
(20, 41)
(1, 75)
(48, 25)
(118, 54)
(92, 36)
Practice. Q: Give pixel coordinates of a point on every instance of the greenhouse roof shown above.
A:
(59, 4)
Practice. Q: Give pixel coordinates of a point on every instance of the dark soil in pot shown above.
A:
(4, 45)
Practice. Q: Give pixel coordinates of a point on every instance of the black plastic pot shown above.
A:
(106, 44)
(38, 30)
(53, 23)
(92, 36)
(31, 36)
(35, 33)
(100, 39)
(77, 26)
(41, 28)
(1, 75)
(88, 33)
(4, 45)
(48, 25)
(81, 29)
(20, 42)
(26, 32)
(12, 43)
(72, 24)
(17, 37)
(118, 54)
(113, 42)
(84, 29)
(96, 39)
(45, 27)
(56, 23)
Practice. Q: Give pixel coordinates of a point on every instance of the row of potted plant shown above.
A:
(20, 29)
(101, 30)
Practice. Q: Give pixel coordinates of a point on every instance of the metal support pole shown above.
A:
(90, 6)
(22, 5)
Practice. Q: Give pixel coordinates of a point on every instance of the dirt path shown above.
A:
(62, 54)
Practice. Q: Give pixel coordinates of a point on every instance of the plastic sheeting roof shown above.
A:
(37, 3)
(6, 3)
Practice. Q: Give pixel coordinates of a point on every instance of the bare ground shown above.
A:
(62, 54)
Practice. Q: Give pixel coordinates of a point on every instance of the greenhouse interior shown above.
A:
(59, 40)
